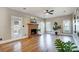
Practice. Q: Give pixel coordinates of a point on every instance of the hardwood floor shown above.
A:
(43, 43)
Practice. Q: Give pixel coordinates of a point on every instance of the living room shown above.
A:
(33, 28)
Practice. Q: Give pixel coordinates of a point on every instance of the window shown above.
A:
(66, 26)
(41, 27)
(77, 25)
(48, 27)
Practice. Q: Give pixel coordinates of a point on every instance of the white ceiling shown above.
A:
(40, 11)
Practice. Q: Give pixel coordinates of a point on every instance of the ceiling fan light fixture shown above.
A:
(46, 13)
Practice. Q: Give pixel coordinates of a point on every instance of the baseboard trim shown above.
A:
(11, 40)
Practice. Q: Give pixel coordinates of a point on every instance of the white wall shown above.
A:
(4, 24)
(26, 21)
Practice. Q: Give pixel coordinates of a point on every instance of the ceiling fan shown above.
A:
(49, 11)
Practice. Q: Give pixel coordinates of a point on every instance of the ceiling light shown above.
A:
(46, 14)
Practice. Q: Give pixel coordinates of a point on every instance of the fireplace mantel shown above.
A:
(32, 24)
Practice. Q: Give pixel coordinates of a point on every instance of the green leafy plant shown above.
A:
(65, 46)
(56, 27)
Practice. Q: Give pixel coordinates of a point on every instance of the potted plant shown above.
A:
(56, 27)
(65, 46)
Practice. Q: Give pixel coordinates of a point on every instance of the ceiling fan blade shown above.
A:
(51, 10)
(50, 13)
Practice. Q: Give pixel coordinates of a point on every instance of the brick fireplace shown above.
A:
(32, 29)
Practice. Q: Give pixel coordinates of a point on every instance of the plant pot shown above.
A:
(56, 33)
